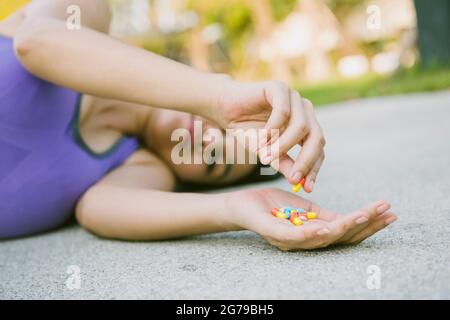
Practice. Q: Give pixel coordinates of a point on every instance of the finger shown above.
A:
(309, 235)
(347, 224)
(381, 222)
(283, 165)
(296, 130)
(283, 233)
(277, 94)
(312, 176)
(368, 215)
(312, 146)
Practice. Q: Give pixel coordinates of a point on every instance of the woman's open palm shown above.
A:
(252, 211)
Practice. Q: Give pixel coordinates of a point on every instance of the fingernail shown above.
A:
(361, 220)
(323, 231)
(382, 208)
(296, 176)
(311, 184)
(266, 160)
(390, 220)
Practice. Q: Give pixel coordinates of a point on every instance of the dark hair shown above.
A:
(254, 176)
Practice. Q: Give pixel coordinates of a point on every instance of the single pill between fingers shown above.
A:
(296, 188)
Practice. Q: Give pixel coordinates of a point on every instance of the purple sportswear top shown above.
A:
(45, 166)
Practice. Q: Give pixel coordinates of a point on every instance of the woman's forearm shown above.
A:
(141, 214)
(94, 63)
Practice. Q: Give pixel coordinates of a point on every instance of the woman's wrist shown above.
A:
(217, 86)
(224, 215)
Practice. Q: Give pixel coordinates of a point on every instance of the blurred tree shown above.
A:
(280, 9)
(342, 7)
(234, 18)
(433, 21)
(264, 23)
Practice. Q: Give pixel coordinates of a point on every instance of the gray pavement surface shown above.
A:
(395, 148)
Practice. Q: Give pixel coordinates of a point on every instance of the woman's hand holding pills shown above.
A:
(272, 105)
(325, 229)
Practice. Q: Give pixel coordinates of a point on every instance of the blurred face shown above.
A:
(172, 134)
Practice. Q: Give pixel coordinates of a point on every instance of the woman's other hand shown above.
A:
(328, 229)
(272, 105)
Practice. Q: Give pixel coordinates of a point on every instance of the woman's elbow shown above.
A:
(93, 214)
(31, 37)
(85, 213)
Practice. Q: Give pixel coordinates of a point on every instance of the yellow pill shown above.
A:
(297, 221)
(281, 215)
(297, 187)
(311, 215)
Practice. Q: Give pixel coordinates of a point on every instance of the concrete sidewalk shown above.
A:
(396, 148)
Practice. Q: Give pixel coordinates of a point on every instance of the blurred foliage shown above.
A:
(342, 7)
(234, 16)
(236, 19)
(280, 9)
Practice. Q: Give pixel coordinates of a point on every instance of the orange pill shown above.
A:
(293, 216)
(275, 211)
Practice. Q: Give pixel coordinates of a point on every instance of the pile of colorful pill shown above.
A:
(294, 215)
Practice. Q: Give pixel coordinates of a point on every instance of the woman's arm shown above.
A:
(144, 214)
(91, 62)
(134, 202)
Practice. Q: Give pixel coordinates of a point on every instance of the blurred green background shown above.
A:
(330, 50)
